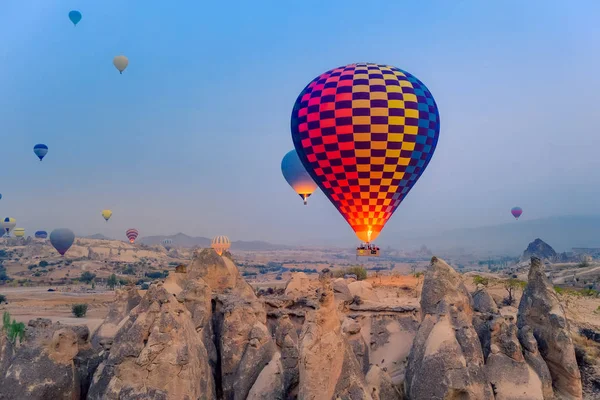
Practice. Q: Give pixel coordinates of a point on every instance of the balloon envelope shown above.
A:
(120, 62)
(62, 239)
(220, 243)
(365, 133)
(74, 16)
(516, 212)
(132, 234)
(0, 196)
(41, 234)
(167, 243)
(8, 225)
(40, 150)
(106, 214)
(19, 232)
(295, 174)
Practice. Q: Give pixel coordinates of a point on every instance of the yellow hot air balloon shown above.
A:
(19, 232)
(106, 214)
(220, 243)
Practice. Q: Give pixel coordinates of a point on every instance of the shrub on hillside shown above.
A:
(87, 276)
(360, 272)
(79, 310)
(13, 329)
(480, 280)
(2, 298)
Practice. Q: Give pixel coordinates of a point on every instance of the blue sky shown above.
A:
(190, 137)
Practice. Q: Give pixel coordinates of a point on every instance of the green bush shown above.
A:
(2, 298)
(13, 329)
(480, 280)
(87, 277)
(43, 263)
(559, 290)
(360, 272)
(111, 282)
(79, 310)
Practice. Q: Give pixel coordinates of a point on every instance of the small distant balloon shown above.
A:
(167, 243)
(62, 239)
(0, 196)
(40, 150)
(295, 174)
(41, 234)
(132, 234)
(121, 62)
(75, 17)
(19, 232)
(106, 214)
(8, 225)
(516, 212)
(220, 244)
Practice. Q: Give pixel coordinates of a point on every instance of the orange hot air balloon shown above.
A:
(220, 243)
(365, 133)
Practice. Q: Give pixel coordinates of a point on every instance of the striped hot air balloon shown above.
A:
(40, 150)
(19, 232)
(220, 244)
(132, 234)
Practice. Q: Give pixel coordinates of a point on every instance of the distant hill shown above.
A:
(97, 236)
(183, 240)
(562, 233)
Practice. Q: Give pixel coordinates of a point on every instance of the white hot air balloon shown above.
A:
(121, 62)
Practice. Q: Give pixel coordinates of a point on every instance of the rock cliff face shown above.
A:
(45, 365)
(446, 349)
(204, 334)
(541, 314)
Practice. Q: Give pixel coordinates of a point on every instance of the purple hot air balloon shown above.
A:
(516, 212)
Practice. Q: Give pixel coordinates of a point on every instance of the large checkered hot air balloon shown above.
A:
(365, 133)
(132, 234)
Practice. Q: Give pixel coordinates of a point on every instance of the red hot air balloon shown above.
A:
(132, 234)
(516, 212)
(365, 133)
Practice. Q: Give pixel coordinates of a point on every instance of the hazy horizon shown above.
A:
(190, 137)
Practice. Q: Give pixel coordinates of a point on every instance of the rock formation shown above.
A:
(446, 349)
(204, 334)
(540, 249)
(541, 311)
(156, 353)
(45, 365)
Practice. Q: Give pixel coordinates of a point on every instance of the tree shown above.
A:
(111, 282)
(2, 298)
(480, 280)
(511, 286)
(79, 310)
(87, 277)
(43, 263)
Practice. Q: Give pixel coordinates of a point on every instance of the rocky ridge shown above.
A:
(205, 334)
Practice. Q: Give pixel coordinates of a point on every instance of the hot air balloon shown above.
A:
(121, 62)
(40, 150)
(167, 243)
(106, 214)
(75, 17)
(41, 234)
(0, 196)
(516, 212)
(8, 225)
(132, 234)
(365, 133)
(295, 174)
(19, 232)
(62, 239)
(220, 243)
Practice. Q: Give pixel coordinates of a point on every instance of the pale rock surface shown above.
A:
(540, 309)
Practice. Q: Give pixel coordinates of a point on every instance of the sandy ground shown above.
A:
(29, 303)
